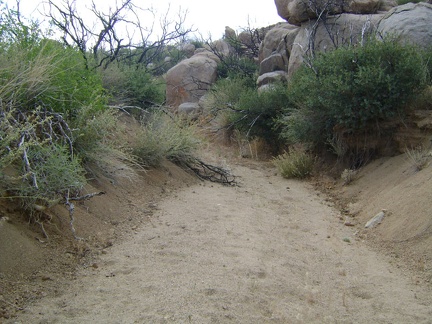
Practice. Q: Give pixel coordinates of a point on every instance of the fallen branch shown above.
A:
(206, 171)
(71, 208)
(88, 196)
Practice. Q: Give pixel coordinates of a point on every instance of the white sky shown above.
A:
(208, 17)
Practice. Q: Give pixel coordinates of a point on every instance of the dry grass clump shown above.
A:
(419, 157)
(296, 163)
(162, 137)
(348, 176)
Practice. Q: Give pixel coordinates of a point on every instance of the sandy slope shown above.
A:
(268, 251)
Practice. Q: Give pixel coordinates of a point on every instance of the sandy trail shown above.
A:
(269, 251)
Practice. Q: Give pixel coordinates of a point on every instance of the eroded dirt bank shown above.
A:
(268, 251)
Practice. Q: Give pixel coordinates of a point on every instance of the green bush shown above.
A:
(237, 67)
(36, 169)
(47, 75)
(55, 172)
(255, 114)
(296, 163)
(220, 102)
(225, 94)
(236, 104)
(402, 2)
(52, 116)
(353, 88)
(144, 89)
(132, 86)
(162, 137)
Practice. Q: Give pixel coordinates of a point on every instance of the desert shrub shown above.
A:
(52, 117)
(133, 86)
(46, 74)
(348, 176)
(402, 2)
(54, 171)
(36, 168)
(297, 163)
(96, 135)
(162, 137)
(419, 157)
(237, 105)
(235, 66)
(144, 89)
(220, 101)
(255, 113)
(354, 88)
(225, 94)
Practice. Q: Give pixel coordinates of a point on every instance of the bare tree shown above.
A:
(118, 34)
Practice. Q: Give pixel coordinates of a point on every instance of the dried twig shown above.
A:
(42, 228)
(71, 207)
(209, 172)
(88, 196)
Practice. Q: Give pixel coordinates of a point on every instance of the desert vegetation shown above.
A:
(60, 102)
(333, 102)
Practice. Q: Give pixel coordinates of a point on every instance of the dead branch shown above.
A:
(107, 36)
(205, 171)
(71, 207)
(88, 196)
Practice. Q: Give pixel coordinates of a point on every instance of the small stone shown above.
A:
(348, 223)
(377, 219)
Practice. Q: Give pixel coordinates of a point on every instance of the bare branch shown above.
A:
(118, 34)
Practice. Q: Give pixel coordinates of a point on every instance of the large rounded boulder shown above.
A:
(411, 22)
(189, 80)
(299, 11)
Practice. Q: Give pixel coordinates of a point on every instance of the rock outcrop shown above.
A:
(277, 41)
(336, 31)
(190, 79)
(285, 45)
(411, 22)
(299, 11)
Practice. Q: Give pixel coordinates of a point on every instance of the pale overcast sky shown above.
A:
(206, 16)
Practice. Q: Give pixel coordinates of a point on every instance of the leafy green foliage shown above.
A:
(237, 104)
(226, 93)
(34, 168)
(256, 112)
(134, 86)
(54, 171)
(144, 89)
(43, 88)
(45, 74)
(237, 67)
(16, 31)
(353, 88)
(402, 2)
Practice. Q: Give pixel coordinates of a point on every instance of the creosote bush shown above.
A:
(296, 163)
(133, 86)
(353, 89)
(237, 105)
